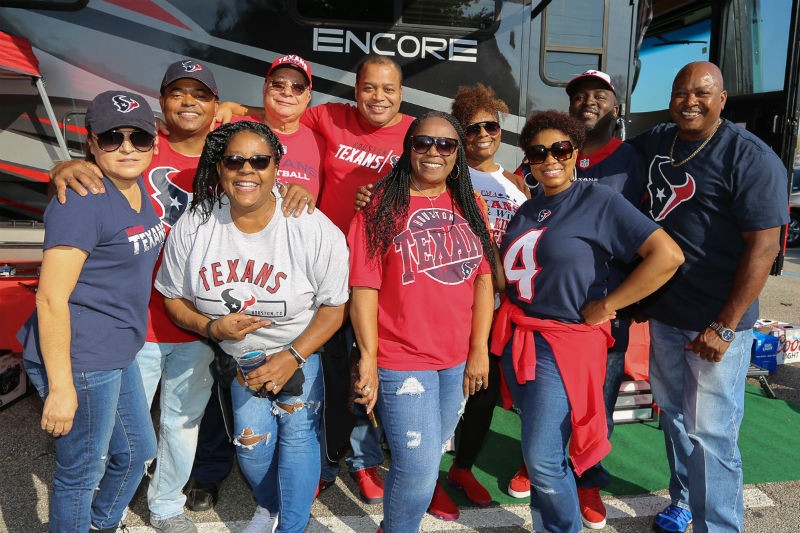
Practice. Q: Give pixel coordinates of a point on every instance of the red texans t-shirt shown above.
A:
(357, 154)
(168, 181)
(425, 282)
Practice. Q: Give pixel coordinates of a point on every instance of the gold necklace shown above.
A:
(431, 200)
(697, 151)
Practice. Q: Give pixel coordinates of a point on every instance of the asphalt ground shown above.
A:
(27, 461)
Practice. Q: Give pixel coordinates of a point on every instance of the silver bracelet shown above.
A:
(297, 357)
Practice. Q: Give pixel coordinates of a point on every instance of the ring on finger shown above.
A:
(275, 385)
(367, 389)
(479, 382)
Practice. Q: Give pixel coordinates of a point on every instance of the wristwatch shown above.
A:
(297, 357)
(724, 333)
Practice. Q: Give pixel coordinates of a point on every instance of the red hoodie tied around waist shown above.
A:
(580, 352)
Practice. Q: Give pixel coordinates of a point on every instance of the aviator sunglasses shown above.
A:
(492, 127)
(537, 153)
(444, 145)
(280, 86)
(111, 140)
(236, 162)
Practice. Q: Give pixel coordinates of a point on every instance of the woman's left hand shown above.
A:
(295, 198)
(476, 373)
(272, 375)
(596, 312)
(367, 384)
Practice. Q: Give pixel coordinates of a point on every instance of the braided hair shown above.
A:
(206, 189)
(386, 213)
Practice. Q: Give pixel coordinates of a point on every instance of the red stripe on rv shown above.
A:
(148, 8)
(18, 205)
(36, 175)
(70, 127)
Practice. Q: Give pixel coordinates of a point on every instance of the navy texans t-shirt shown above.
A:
(108, 307)
(557, 249)
(735, 184)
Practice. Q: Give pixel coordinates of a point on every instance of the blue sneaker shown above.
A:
(672, 519)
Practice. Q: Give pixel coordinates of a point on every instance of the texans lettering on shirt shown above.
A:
(238, 299)
(367, 156)
(440, 244)
(668, 187)
(145, 239)
(169, 199)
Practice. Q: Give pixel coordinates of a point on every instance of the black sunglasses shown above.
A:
(537, 153)
(111, 140)
(280, 86)
(492, 127)
(236, 162)
(444, 145)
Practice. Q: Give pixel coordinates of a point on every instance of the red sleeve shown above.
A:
(313, 116)
(365, 271)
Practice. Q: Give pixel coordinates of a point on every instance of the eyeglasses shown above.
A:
(537, 153)
(492, 127)
(444, 145)
(280, 86)
(236, 162)
(111, 140)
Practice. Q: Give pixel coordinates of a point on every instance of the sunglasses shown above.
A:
(537, 153)
(110, 141)
(491, 127)
(280, 86)
(444, 145)
(236, 162)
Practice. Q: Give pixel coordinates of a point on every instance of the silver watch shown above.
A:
(726, 334)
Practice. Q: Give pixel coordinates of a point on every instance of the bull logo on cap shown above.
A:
(124, 104)
(191, 66)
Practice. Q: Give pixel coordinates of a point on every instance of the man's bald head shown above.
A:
(697, 100)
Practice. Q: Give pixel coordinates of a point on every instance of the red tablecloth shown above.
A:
(16, 305)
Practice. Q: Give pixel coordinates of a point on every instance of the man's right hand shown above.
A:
(363, 196)
(77, 175)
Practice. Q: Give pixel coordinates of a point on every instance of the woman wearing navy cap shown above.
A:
(91, 319)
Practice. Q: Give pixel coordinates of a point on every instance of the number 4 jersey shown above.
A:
(557, 248)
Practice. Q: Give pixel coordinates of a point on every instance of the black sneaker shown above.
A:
(201, 496)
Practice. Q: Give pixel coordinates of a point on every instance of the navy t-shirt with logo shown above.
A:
(735, 184)
(108, 307)
(557, 249)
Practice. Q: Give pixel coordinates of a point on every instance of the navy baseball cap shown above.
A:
(189, 68)
(117, 109)
(596, 74)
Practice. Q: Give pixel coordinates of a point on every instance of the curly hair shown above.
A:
(470, 100)
(552, 120)
(387, 212)
(206, 189)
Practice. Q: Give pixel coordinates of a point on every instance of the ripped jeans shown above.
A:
(419, 410)
(278, 451)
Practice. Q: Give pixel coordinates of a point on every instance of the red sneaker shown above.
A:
(462, 478)
(520, 485)
(323, 484)
(370, 485)
(442, 507)
(593, 512)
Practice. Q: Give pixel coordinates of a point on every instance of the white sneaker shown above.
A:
(262, 522)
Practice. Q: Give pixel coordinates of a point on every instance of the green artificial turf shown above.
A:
(768, 441)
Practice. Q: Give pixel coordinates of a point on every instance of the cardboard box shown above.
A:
(788, 336)
(13, 380)
(634, 403)
(765, 351)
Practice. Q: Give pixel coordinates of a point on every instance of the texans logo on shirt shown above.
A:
(142, 239)
(236, 305)
(191, 66)
(668, 187)
(170, 200)
(440, 244)
(124, 104)
(543, 214)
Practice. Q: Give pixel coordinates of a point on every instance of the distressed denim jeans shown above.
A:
(420, 410)
(101, 461)
(278, 451)
(702, 405)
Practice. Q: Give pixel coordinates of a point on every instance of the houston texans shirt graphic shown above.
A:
(439, 244)
(170, 200)
(668, 187)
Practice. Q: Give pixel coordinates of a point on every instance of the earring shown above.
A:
(457, 170)
(574, 174)
(530, 181)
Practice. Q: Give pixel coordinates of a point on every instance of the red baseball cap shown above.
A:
(596, 74)
(292, 61)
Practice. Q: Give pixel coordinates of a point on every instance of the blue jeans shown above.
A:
(702, 405)
(280, 455)
(365, 441)
(182, 369)
(101, 461)
(546, 429)
(420, 410)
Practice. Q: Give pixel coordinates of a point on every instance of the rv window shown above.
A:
(59, 5)
(474, 14)
(573, 37)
